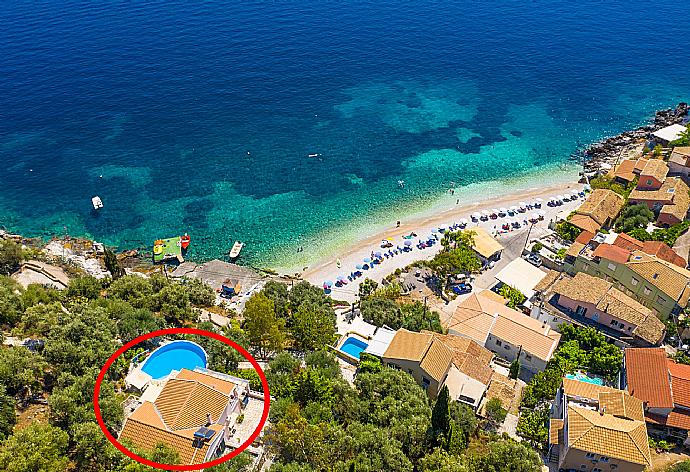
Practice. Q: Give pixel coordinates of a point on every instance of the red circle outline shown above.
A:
(163, 332)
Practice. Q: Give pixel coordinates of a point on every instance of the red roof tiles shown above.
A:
(664, 252)
(612, 253)
(648, 377)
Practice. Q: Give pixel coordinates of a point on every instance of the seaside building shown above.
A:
(667, 196)
(520, 275)
(598, 302)
(628, 170)
(599, 210)
(663, 386)
(506, 332)
(595, 428)
(486, 247)
(670, 133)
(679, 162)
(650, 272)
(435, 360)
(193, 411)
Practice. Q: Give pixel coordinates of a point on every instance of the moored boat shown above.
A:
(184, 241)
(236, 249)
(97, 202)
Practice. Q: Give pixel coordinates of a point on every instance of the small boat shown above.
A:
(184, 241)
(236, 248)
(97, 202)
(314, 155)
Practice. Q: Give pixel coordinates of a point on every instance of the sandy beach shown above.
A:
(349, 257)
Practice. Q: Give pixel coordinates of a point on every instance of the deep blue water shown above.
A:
(200, 117)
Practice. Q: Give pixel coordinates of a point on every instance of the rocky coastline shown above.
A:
(601, 156)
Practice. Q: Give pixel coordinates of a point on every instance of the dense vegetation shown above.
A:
(634, 217)
(605, 182)
(666, 235)
(580, 348)
(567, 231)
(456, 256)
(684, 139)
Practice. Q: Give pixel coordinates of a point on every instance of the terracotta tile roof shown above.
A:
(666, 194)
(625, 170)
(408, 345)
(583, 287)
(555, 426)
(601, 205)
(628, 242)
(506, 390)
(612, 253)
(575, 249)
(477, 316)
(585, 222)
(586, 390)
(146, 436)
(484, 244)
(584, 238)
(681, 200)
(497, 297)
(147, 413)
(469, 357)
(680, 155)
(608, 435)
(639, 164)
(680, 383)
(647, 326)
(621, 404)
(647, 376)
(667, 277)
(437, 360)
(545, 283)
(186, 404)
(223, 386)
(677, 418)
(664, 252)
(655, 168)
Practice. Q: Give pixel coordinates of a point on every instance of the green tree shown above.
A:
(532, 426)
(173, 303)
(441, 461)
(200, 293)
(36, 448)
(369, 363)
(440, 417)
(508, 456)
(634, 217)
(21, 370)
(567, 231)
(134, 289)
(312, 327)
(92, 452)
(278, 293)
(39, 319)
(514, 296)
(684, 139)
(7, 412)
(514, 369)
(264, 330)
(311, 386)
(455, 261)
(495, 413)
(680, 467)
(10, 301)
(112, 264)
(10, 256)
(367, 288)
(84, 287)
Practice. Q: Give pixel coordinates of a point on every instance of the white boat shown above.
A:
(97, 202)
(236, 248)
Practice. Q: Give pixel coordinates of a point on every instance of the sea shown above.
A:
(291, 124)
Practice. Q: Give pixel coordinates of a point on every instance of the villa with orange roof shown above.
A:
(194, 413)
(595, 428)
(668, 196)
(663, 386)
(504, 331)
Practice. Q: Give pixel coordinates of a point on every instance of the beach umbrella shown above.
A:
(476, 215)
(522, 204)
(513, 208)
(485, 212)
(494, 211)
(587, 187)
(463, 221)
(377, 254)
(442, 228)
(542, 212)
(328, 283)
(503, 210)
(559, 197)
(431, 237)
(539, 200)
(359, 267)
(367, 260)
(434, 230)
(408, 242)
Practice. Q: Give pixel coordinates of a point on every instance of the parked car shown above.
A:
(533, 259)
(461, 289)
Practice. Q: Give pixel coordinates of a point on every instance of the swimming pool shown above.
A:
(175, 355)
(353, 346)
(585, 378)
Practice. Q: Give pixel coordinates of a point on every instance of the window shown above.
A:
(528, 357)
(596, 469)
(621, 325)
(660, 299)
(634, 281)
(612, 266)
(499, 343)
(590, 455)
(409, 371)
(425, 382)
(649, 182)
(604, 459)
(629, 328)
(614, 323)
(647, 290)
(507, 346)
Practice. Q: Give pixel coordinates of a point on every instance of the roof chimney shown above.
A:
(208, 419)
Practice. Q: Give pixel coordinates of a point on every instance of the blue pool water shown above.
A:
(584, 378)
(176, 355)
(353, 347)
(200, 116)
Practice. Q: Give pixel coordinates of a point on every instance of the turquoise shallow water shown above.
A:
(201, 118)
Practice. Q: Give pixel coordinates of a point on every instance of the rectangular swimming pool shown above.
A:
(353, 346)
